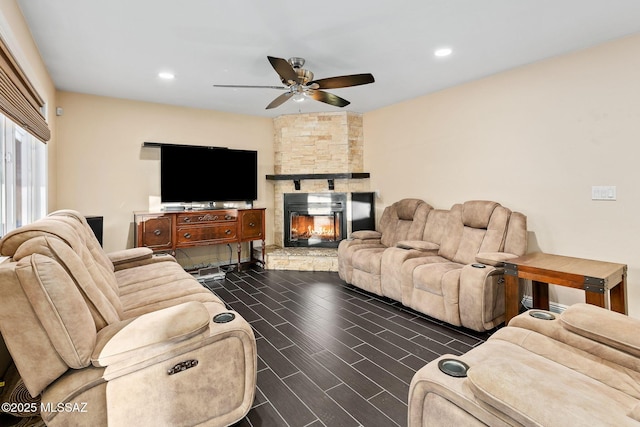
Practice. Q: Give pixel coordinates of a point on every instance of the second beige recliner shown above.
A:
(446, 264)
(463, 284)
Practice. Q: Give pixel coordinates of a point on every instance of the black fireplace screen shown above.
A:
(317, 219)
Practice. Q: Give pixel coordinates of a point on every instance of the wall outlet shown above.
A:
(603, 192)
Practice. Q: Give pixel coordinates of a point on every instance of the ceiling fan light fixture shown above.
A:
(299, 83)
(165, 75)
(443, 52)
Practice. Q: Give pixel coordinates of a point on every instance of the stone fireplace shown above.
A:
(319, 154)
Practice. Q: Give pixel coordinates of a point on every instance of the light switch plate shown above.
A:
(603, 192)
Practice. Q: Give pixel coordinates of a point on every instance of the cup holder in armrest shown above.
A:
(478, 265)
(453, 367)
(223, 317)
(543, 315)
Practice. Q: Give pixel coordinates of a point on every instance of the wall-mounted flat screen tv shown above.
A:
(191, 174)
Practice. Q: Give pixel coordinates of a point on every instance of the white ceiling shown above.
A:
(117, 47)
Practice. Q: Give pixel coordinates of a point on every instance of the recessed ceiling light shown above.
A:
(442, 52)
(166, 76)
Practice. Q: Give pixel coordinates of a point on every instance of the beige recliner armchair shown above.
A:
(580, 369)
(157, 350)
(360, 258)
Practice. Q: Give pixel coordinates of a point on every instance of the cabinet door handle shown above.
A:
(157, 232)
(187, 235)
(227, 231)
(187, 219)
(228, 217)
(252, 224)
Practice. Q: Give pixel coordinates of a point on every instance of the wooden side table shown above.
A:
(604, 283)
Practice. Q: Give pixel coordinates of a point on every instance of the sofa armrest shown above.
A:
(134, 257)
(366, 235)
(603, 326)
(481, 303)
(419, 245)
(149, 335)
(496, 259)
(128, 255)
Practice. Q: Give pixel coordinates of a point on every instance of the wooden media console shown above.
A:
(168, 231)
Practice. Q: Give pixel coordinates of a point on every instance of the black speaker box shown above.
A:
(95, 222)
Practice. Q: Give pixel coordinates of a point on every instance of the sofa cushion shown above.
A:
(469, 246)
(477, 213)
(33, 353)
(14, 239)
(404, 220)
(93, 279)
(476, 226)
(60, 308)
(435, 226)
(79, 223)
(440, 278)
(368, 260)
(406, 208)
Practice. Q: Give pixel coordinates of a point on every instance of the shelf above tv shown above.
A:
(330, 177)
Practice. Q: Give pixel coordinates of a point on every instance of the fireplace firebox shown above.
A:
(315, 219)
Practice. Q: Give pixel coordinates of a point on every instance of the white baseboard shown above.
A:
(554, 307)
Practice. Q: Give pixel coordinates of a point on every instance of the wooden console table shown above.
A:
(168, 231)
(604, 283)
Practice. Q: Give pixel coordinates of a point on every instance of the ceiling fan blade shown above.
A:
(279, 100)
(284, 70)
(253, 87)
(342, 81)
(328, 98)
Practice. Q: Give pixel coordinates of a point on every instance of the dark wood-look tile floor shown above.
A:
(330, 354)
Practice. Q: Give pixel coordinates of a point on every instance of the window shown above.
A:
(23, 176)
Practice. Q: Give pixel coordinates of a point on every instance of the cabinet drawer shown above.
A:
(155, 233)
(251, 223)
(201, 235)
(207, 217)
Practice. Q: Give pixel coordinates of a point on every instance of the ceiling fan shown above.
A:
(299, 83)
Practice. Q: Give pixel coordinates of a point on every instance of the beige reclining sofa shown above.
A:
(449, 267)
(142, 343)
(581, 368)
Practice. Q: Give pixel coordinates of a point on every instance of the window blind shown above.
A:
(18, 98)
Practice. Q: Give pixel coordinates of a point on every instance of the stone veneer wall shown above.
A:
(316, 143)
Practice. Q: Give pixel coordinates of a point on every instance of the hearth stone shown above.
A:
(301, 259)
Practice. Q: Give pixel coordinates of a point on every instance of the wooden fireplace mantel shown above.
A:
(330, 177)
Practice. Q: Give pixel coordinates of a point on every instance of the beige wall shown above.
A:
(534, 139)
(16, 34)
(103, 169)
